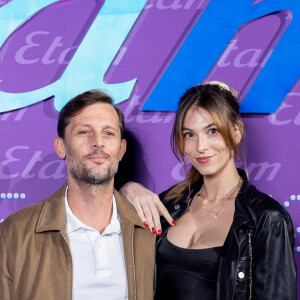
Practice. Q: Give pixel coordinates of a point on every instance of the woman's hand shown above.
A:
(147, 204)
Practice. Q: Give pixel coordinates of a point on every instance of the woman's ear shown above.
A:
(238, 131)
(59, 147)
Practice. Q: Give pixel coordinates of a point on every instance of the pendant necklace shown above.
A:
(227, 196)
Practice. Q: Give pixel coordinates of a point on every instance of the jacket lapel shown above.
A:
(243, 210)
(129, 220)
(53, 213)
(127, 236)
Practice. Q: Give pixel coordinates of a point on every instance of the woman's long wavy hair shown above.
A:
(223, 106)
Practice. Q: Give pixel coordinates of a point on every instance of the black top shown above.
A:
(262, 223)
(186, 274)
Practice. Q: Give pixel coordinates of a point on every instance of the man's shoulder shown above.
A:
(24, 215)
(21, 223)
(25, 220)
(126, 211)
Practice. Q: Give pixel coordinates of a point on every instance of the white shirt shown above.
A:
(99, 270)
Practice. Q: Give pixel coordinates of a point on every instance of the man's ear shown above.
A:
(122, 149)
(59, 147)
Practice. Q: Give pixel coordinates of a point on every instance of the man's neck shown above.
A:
(91, 204)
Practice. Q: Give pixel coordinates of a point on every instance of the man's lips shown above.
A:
(97, 156)
(204, 159)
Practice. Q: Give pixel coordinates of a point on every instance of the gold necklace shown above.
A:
(227, 196)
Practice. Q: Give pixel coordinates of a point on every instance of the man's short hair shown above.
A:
(77, 104)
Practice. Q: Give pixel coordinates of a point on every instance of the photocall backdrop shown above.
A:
(146, 54)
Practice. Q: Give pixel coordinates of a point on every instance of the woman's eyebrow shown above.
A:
(206, 127)
(185, 128)
(210, 125)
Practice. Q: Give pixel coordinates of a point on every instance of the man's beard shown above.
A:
(86, 176)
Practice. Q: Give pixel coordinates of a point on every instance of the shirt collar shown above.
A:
(73, 223)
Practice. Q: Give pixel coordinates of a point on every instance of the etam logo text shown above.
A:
(65, 60)
(22, 162)
(256, 170)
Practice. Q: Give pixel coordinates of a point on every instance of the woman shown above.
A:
(230, 240)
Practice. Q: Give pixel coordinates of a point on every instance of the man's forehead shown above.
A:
(100, 113)
(98, 110)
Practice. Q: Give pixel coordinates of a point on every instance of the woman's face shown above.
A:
(203, 144)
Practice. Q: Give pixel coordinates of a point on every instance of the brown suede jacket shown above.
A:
(35, 258)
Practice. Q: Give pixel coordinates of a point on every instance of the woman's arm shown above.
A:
(147, 204)
(274, 267)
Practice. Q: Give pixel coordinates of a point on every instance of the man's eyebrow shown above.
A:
(90, 126)
(82, 124)
(111, 127)
(74, 127)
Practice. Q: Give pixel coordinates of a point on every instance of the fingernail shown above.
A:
(153, 230)
(145, 223)
(159, 232)
(173, 222)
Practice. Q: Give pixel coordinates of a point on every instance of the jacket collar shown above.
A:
(243, 214)
(53, 213)
(126, 210)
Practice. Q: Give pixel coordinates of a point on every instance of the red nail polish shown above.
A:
(145, 223)
(159, 232)
(173, 222)
(153, 230)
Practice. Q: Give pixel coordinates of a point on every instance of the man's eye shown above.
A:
(109, 133)
(83, 132)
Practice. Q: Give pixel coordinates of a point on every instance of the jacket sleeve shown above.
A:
(274, 267)
(5, 274)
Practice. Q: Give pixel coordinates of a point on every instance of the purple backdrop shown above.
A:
(29, 167)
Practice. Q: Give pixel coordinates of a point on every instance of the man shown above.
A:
(85, 241)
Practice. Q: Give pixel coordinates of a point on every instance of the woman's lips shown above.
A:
(204, 160)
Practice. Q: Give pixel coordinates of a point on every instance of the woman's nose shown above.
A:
(202, 144)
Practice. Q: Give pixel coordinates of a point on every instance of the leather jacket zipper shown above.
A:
(251, 262)
(249, 233)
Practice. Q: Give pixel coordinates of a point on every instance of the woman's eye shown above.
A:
(212, 131)
(188, 135)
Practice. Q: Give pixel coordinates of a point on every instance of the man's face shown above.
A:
(92, 146)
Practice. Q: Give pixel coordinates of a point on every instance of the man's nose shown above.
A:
(97, 141)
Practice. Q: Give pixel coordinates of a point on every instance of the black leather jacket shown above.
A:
(262, 233)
